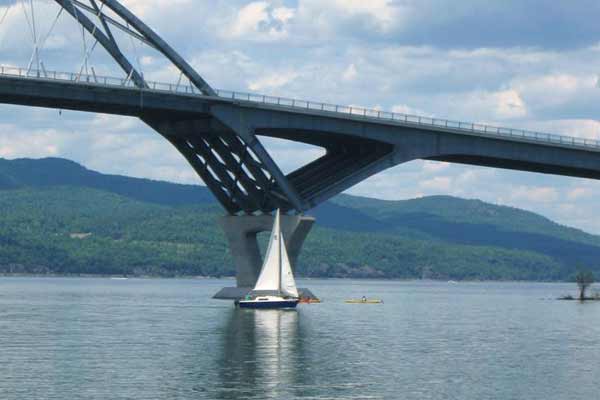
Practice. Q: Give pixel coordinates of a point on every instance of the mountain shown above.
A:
(63, 218)
(51, 172)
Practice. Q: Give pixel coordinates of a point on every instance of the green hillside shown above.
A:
(62, 218)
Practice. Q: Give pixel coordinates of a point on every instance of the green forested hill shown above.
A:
(51, 172)
(59, 217)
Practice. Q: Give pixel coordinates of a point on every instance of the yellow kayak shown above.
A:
(364, 301)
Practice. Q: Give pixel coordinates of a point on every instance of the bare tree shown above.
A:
(584, 280)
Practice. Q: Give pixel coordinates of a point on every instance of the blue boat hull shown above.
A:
(268, 304)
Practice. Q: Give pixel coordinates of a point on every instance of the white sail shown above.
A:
(288, 284)
(269, 278)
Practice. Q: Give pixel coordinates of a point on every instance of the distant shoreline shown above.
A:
(192, 277)
(100, 276)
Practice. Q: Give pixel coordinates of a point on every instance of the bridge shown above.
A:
(219, 133)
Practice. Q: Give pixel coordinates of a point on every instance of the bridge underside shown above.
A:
(520, 165)
(221, 141)
(233, 163)
(237, 170)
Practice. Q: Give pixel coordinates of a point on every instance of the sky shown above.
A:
(530, 64)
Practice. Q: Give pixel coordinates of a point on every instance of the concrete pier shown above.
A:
(242, 231)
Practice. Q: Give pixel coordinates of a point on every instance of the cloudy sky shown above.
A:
(520, 63)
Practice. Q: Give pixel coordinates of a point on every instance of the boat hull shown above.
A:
(268, 304)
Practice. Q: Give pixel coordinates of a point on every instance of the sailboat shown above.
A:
(275, 287)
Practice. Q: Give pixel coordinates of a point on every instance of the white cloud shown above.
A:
(283, 14)
(272, 81)
(534, 194)
(249, 18)
(38, 144)
(578, 193)
(509, 104)
(582, 128)
(350, 73)
(327, 17)
(260, 21)
(499, 105)
(382, 10)
(435, 166)
(404, 109)
(146, 8)
(564, 88)
(439, 184)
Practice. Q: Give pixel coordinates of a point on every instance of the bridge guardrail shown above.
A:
(372, 114)
(95, 79)
(470, 127)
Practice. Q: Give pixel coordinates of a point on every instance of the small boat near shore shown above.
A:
(275, 287)
(364, 301)
(309, 300)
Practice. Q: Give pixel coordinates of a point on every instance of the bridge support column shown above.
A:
(242, 231)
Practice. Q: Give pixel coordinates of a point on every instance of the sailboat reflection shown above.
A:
(260, 355)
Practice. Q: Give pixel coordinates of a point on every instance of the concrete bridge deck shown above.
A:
(120, 96)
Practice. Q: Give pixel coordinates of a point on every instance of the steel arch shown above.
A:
(140, 31)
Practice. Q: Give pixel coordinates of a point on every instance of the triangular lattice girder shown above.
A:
(227, 164)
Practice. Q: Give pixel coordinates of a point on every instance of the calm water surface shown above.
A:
(166, 339)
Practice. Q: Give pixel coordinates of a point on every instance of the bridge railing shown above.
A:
(95, 79)
(374, 114)
(360, 112)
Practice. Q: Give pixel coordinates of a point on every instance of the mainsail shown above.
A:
(269, 279)
(276, 273)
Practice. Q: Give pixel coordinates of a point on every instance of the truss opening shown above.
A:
(231, 175)
(217, 155)
(211, 172)
(247, 172)
(241, 188)
(291, 155)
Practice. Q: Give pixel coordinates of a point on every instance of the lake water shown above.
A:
(167, 339)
